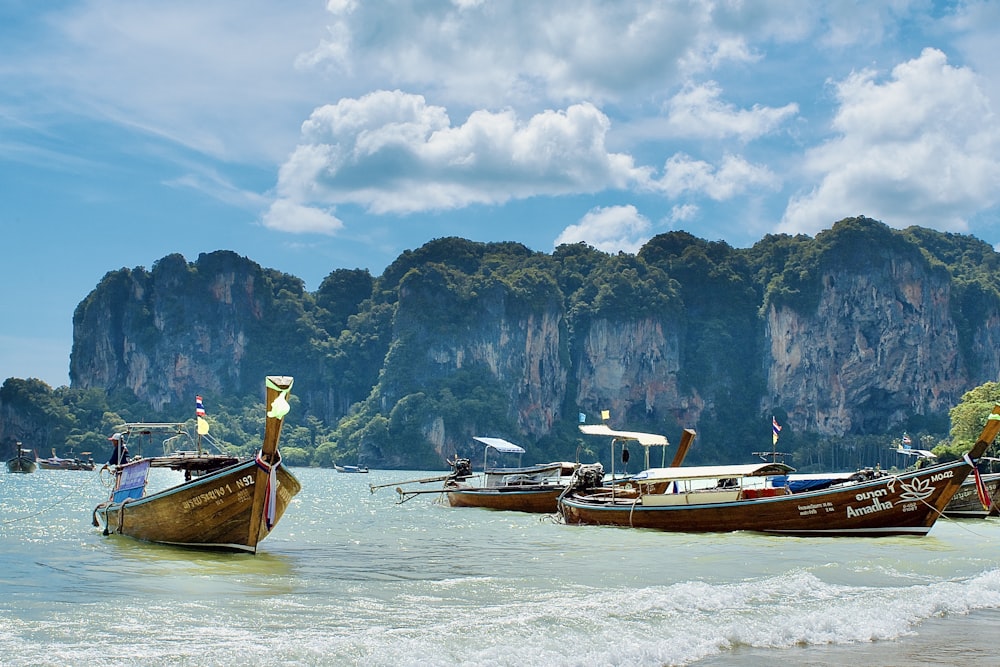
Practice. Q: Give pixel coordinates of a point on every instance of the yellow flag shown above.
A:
(605, 415)
(202, 426)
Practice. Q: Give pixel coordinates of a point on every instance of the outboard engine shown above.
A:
(588, 476)
(462, 468)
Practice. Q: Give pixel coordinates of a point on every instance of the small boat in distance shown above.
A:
(223, 503)
(738, 497)
(351, 469)
(21, 461)
(57, 463)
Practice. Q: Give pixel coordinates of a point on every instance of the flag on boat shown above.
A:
(605, 415)
(583, 418)
(906, 440)
(199, 411)
(775, 430)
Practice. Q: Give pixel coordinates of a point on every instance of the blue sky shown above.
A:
(310, 136)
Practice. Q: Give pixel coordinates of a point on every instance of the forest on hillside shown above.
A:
(367, 389)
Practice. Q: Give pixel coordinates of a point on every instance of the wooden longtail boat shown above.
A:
(970, 502)
(21, 462)
(58, 463)
(520, 489)
(229, 508)
(351, 469)
(731, 498)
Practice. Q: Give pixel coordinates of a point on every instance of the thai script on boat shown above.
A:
(814, 508)
(217, 494)
(875, 493)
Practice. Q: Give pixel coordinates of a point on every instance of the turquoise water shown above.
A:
(351, 578)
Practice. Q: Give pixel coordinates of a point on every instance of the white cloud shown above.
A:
(697, 111)
(922, 148)
(683, 213)
(683, 175)
(217, 78)
(390, 152)
(553, 53)
(611, 229)
(287, 216)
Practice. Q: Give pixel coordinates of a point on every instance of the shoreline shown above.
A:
(967, 640)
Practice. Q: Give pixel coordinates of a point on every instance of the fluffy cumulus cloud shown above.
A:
(391, 152)
(683, 175)
(699, 111)
(611, 229)
(287, 216)
(922, 147)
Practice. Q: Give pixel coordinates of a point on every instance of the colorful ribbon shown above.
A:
(271, 490)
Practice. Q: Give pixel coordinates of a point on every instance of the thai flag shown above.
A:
(775, 430)
(906, 441)
(199, 407)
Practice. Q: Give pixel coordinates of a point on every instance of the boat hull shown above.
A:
(535, 500)
(21, 464)
(215, 511)
(965, 504)
(906, 504)
(65, 465)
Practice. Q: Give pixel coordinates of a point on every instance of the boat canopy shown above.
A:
(500, 445)
(920, 453)
(714, 472)
(647, 439)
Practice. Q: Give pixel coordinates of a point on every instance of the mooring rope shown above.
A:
(49, 507)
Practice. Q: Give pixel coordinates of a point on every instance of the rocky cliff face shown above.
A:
(174, 332)
(868, 342)
(881, 346)
(634, 365)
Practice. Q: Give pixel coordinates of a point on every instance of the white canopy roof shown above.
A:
(923, 453)
(646, 439)
(500, 445)
(714, 472)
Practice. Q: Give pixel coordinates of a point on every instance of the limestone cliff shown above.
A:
(853, 332)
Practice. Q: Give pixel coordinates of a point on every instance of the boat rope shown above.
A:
(631, 510)
(49, 507)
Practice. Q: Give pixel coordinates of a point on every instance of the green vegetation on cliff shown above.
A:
(458, 338)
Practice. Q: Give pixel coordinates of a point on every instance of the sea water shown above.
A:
(351, 577)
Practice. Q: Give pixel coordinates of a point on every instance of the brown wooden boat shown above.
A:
(967, 502)
(21, 461)
(731, 498)
(529, 489)
(59, 463)
(232, 507)
(521, 489)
